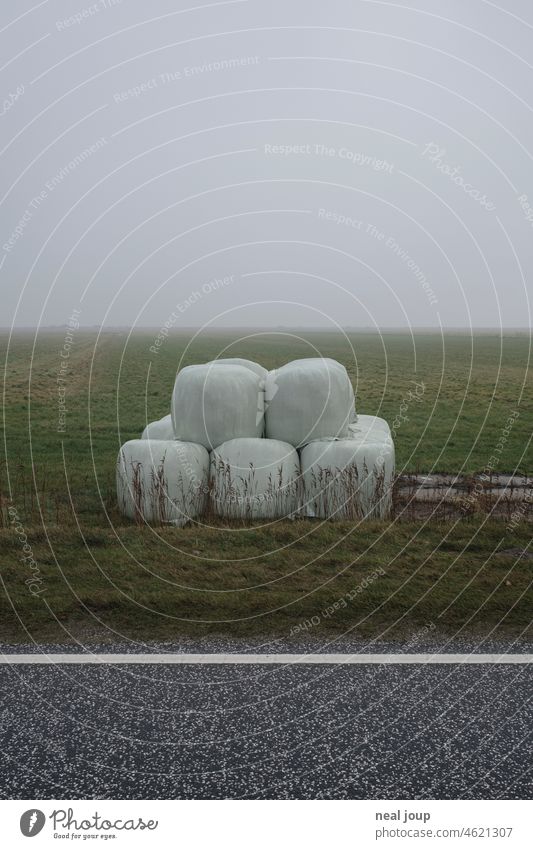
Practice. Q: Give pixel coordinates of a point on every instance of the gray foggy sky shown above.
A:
(267, 164)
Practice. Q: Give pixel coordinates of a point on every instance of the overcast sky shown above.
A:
(270, 163)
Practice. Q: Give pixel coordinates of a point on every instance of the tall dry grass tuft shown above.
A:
(152, 502)
(342, 493)
(242, 498)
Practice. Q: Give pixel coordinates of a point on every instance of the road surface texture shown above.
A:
(266, 731)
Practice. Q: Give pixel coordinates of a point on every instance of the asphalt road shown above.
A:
(297, 732)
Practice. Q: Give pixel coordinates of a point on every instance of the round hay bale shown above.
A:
(213, 403)
(348, 479)
(160, 429)
(255, 479)
(162, 481)
(308, 399)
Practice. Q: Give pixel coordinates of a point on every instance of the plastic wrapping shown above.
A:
(257, 369)
(369, 428)
(162, 482)
(214, 403)
(348, 479)
(160, 429)
(255, 479)
(308, 399)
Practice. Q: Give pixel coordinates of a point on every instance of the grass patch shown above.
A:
(392, 580)
(99, 572)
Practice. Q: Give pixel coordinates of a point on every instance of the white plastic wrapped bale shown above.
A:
(348, 479)
(255, 479)
(308, 399)
(335, 364)
(369, 428)
(213, 403)
(161, 429)
(162, 481)
(257, 368)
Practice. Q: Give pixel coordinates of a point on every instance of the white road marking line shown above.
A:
(297, 659)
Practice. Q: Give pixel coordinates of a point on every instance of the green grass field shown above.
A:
(98, 570)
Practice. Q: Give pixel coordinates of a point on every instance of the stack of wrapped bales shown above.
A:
(252, 444)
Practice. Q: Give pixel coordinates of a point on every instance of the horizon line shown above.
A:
(276, 328)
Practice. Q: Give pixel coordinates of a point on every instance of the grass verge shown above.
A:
(289, 578)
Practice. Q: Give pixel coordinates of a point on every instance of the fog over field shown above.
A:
(248, 164)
